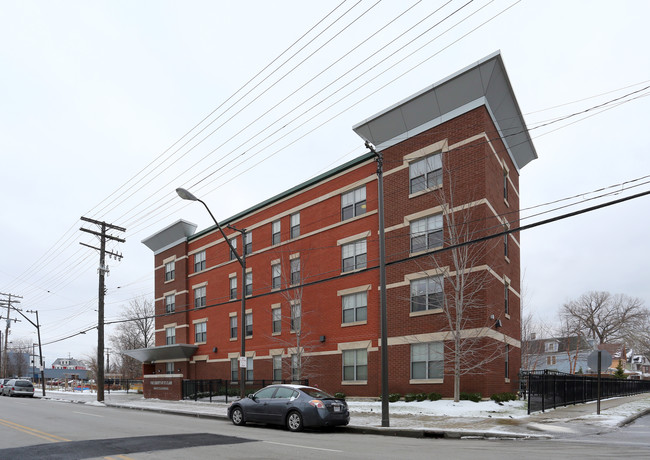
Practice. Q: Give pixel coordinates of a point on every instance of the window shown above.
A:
(427, 361)
(426, 173)
(295, 271)
(200, 332)
(249, 368)
(355, 307)
(169, 368)
(506, 361)
(233, 327)
(249, 324)
(275, 232)
(199, 297)
(426, 233)
(233, 243)
(295, 317)
(354, 255)
(170, 303)
(170, 270)
(248, 246)
(295, 225)
(233, 288)
(276, 318)
(506, 296)
(355, 365)
(427, 294)
(276, 276)
(234, 369)
(505, 184)
(277, 367)
(505, 245)
(170, 335)
(295, 368)
(249, 283)
(353, 203)
(199, 261)
(551, 360)
(550, 347)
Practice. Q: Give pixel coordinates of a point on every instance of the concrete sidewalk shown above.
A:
(569, 421)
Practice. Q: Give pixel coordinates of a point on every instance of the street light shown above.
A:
(187, 195)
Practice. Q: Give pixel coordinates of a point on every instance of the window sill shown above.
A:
(434, 311)
(232, 339)
(200, 343)
(353, 271)
(425, 191)
(421, 381)
(354, 382)
(354, 323)
(506, 202)
(435, 248)
(507, 380)
(169, 281)
(507, 316)
(249, 337)
(507, 259)
(276, 333)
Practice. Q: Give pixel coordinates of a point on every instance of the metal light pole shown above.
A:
(385, 419)
(186, 195)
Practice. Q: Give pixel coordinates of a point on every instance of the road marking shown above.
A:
(32, 431)
(86, 413)
(302, 447)
(123, 457)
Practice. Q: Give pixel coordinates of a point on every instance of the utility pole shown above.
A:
(9, 307)
(102, 270)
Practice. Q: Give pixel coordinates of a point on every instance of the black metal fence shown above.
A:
(220, 390)
(550, 389)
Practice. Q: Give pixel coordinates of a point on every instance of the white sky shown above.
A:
(93, 93)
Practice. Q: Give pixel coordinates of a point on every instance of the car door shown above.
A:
(257, 408)
(280, 404)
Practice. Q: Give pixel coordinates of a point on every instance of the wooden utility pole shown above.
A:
(9, 307)
(102, 270)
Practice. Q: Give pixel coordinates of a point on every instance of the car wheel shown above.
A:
(294, 421)
(237, 416)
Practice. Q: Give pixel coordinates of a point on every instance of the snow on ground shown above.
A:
(445, 408)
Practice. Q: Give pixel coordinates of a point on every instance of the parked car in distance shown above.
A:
(18, 387)
(2, 384)
(294, 406)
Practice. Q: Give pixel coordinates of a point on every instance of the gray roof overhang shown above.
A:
(483, 83)
(163, 353)
(170, 236)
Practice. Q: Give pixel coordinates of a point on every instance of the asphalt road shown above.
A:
(45, 429)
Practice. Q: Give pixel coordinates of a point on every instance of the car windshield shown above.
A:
(316, 393)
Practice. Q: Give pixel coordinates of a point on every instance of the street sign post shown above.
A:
(597, 360)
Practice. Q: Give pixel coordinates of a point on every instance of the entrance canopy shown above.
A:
(163, 353)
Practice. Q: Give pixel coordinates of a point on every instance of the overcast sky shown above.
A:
(96, 98)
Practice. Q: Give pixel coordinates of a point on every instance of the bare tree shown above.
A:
(462, 288)
(17, 356)
(606, 317)
(135, 331)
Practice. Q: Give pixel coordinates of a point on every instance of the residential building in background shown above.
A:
(312, 258)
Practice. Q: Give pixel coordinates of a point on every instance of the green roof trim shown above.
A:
(350, 164)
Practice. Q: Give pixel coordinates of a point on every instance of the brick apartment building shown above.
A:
(451, 160)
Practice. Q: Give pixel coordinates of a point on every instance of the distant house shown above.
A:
(68, 363)
(562, 354)
(638, 366)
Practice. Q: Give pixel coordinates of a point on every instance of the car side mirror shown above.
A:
(251, 396)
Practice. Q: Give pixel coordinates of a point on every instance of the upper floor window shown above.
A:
(506, 298)
(426, 173)
(199, 261)
(355, 364)
(233, 327)
(426, 233)
(248, 246)
(200, 332)
(170, 335)
(353, 255)
(170, 270)
(200, 297)
(427, 294)
(295, 271)
(249, 283)
(505, 184)
(355, 307)
(233, 243)
(233, 288)
(353, 203)
(275, 232)
(550, 347)
(295, 317)
(276, 276)
(276, 319)
(295, 225)
(170, 303)
(249, 324)
(551, 360)
(427, 361)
